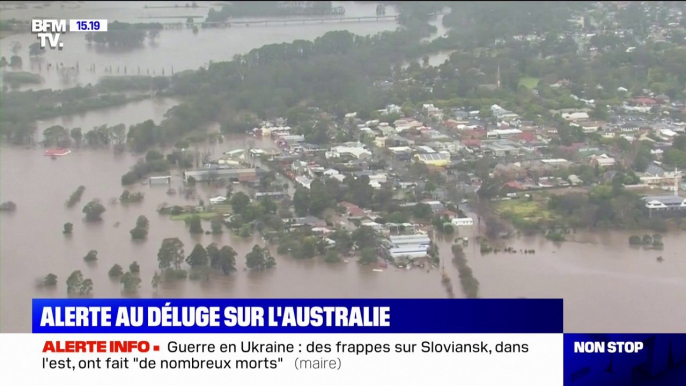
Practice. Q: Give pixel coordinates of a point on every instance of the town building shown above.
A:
(440, 159)
(461, 222)
(233, 175)
(665, 206)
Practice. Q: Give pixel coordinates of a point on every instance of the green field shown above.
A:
(529, 82)
(202, 215)
(528, 210)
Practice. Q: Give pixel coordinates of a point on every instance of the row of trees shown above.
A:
(75, 197)
(22, 108)
(78, 285)
(171, 257)
(470, 286)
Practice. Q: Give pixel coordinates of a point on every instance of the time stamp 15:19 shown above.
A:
(48, 31)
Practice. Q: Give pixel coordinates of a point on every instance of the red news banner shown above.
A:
(94, 346)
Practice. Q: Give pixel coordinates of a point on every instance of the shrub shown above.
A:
(635, 240)
(175, 274)
(116, 271)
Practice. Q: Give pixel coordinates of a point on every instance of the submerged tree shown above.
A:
(76, 196)
(86, 287)
(217, 226)
(92, 255)
(470, 286)
(224, 259)
(115, 271)
(140, 231)
(93, 211)
(171, 253)
(68, 227)
(368, 256)
(196, 225)
(156, 279)
(74, 282)
(259, 259)
(50, 280)
(130, 282)
(197, 257)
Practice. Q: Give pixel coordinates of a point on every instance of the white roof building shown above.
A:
(357, 152)
(217, 200)
(304, 181)
(576, 116)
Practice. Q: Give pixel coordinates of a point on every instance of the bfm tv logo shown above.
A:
(48, 32)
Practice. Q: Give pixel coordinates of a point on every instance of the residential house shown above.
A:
(575, 116)
(603, 161)
(217, 200)
(353, 211)
(657, 176)
(503, 133)
(575, 180)
(501, 148)
(509, 172)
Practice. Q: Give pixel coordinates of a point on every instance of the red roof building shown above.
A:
(514, 185)
(527, 136)
(353, 210)
(471, 142)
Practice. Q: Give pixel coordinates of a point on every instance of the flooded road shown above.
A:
(164, 56)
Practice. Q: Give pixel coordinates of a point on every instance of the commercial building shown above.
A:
(462, 222)
(271, 195)
(501, 148)
(347, 151)
(435, 159)
(417, 239)
(665, 206)
(160, 180)
(233, 175)
(407, 246)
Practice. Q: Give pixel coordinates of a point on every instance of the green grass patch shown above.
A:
(524, 209)
(202, 215)
(529, 82)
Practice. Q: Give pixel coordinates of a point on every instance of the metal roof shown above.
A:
(665, 199)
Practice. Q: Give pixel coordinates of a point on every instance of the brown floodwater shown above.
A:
(607, 285)
(32, 244)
